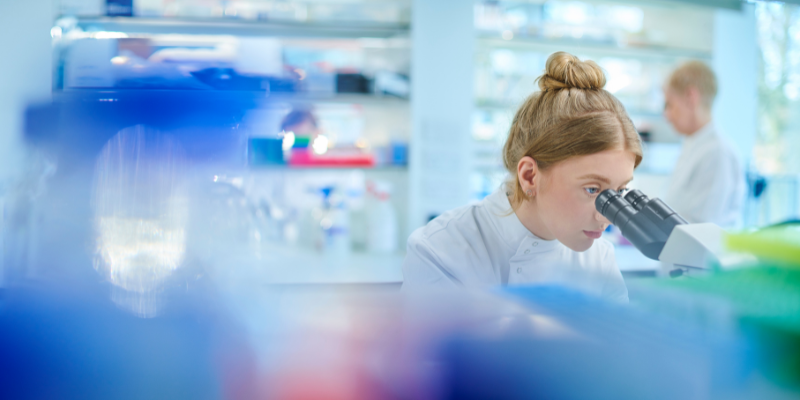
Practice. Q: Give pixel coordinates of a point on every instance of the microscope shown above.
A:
(660, 233)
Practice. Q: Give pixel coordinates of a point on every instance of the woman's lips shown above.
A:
(593, 234)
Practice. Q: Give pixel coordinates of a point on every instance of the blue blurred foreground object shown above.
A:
(58, 346)
(762, 302)
(78, 123)
(105, 300)
(572, 346)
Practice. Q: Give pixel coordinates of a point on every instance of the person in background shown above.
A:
(708, 182)
(302, 123)
(567, 143)
(299, 121)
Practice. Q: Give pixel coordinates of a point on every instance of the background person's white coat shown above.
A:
(707, 184)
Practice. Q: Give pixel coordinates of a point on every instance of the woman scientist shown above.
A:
(567, 143)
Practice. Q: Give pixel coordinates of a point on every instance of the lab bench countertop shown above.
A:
(631, 260)
(310, 267)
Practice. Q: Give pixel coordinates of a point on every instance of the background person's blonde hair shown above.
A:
(698, 75)
(571, 116)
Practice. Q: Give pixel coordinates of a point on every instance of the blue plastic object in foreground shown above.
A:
(573, 346)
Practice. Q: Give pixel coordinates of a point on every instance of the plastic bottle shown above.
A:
(332, 224)
(381, 220)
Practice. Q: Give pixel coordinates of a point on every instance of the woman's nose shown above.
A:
(601, 218)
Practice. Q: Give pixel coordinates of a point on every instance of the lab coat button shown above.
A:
(527, 251)
(519, 270)
(535, 244)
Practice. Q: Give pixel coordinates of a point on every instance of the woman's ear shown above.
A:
(694, 97)
(528, 176)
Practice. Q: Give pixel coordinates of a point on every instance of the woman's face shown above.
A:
(678, 111)
(564, 201)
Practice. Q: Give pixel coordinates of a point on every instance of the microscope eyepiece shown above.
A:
(613, 206)
(602, 200)
(637, 199)
(644, 222)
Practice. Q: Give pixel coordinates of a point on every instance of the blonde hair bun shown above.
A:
(565, 71)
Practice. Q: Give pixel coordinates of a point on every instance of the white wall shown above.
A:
(736, 65)
(441, 107)
(25, 76)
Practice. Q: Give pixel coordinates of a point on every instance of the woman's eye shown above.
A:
(621, 191)
(592, 190)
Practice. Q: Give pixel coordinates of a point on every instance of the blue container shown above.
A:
(399, 153)
(119, 8)
(265, 151)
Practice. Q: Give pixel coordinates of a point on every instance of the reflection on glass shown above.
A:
(140, 216)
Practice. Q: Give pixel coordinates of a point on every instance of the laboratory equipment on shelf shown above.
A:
(331, 223)
(660, 233)
(381, 219)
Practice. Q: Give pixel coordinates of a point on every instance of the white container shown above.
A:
(332, 225)
(338, 235)
(381, 220)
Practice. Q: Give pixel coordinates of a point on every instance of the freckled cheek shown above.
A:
(571, 209)
(582, 211)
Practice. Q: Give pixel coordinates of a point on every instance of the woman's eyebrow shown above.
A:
(597, 178)
(603, 179)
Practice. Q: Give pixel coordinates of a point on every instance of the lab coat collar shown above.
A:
(508, 224)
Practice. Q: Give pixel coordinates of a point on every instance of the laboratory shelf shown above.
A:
(257, 96)
(239, 27)
(282, 168)
(550, 45)
(498, 104)
(512, 106)
(340, 98)
(489, 168)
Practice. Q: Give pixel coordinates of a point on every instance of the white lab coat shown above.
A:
(485, 244)
(707, 184)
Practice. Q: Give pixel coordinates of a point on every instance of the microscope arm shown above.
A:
(693, 245)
